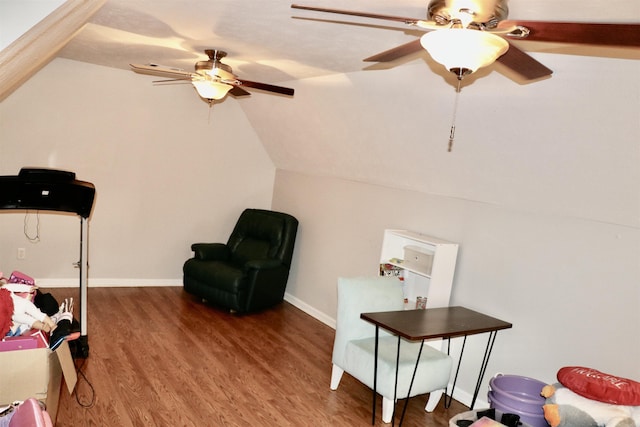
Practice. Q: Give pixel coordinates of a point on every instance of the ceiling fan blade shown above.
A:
(178, 80)
(238, 91)
(582, 33)
(267, 87)
(159, 70)
(396, 52)
(355, 13)
(523, 64)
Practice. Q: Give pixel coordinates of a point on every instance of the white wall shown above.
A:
(541, 191)
(568, 145)
(568, 285)
(167, 172)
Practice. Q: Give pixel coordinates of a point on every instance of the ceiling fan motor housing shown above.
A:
(479, 13)
(212, 79)
(204, 66)
(213, 67)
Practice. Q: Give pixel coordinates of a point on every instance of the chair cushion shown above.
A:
(433, 370)
(223, 276)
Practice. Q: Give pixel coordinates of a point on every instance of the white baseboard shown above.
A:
(311, 311)
(465, 398)
(132, 283)
(107, 283)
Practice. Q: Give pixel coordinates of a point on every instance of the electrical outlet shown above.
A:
(22, 253)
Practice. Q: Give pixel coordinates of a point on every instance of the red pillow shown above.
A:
(599, 386)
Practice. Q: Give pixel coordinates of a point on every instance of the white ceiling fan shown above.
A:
(464, 35)
(212, 79)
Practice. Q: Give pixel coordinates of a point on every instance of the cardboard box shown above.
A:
(30, 339)
(418, 259)
(21, 342)
(37, 373)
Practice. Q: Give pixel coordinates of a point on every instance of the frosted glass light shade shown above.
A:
(462, 48)
(208, 89)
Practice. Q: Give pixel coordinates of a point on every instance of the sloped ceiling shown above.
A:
(268, 41)
(34, 32)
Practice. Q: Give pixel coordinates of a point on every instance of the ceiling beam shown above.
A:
(35, 48)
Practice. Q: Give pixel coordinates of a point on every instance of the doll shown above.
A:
(25, 314)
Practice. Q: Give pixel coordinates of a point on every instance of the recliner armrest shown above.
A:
(210, 251)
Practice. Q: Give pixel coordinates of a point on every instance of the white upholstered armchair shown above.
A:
(354, 346)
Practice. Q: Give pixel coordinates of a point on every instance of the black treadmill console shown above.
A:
(46, 175)
(47, 189)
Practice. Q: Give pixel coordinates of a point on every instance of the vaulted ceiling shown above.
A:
(268, 41)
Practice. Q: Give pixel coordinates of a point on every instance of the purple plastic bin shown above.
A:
(518, 395)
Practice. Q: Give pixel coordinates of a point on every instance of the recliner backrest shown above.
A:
(262, 234)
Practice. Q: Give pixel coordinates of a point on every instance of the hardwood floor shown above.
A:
(160, 357)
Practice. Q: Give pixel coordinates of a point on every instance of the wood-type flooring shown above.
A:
(160, 357)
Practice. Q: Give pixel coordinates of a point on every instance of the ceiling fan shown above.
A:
(464, 35)
(212, 79)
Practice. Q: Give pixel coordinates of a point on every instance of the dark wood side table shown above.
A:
(434, 323)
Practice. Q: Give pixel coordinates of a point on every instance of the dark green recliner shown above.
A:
(250, 271)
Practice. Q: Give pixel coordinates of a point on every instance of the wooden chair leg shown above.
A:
(434, 398)
(336, 375)
(387, 409)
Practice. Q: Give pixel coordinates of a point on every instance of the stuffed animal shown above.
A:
(6, 311)
(25, 314)
(588, 398)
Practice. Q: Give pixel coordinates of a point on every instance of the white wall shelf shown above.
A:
(423, 276)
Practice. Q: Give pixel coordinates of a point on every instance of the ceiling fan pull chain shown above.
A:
(451, 137)
(452, 132)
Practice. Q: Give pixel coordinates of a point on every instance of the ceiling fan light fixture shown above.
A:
(215, 70)
(462, 48)
(211, 90)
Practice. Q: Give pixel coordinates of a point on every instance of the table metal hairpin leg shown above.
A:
(483, 367)
(449, 397)
(415, 369)
(395, 385)
(375, 377)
